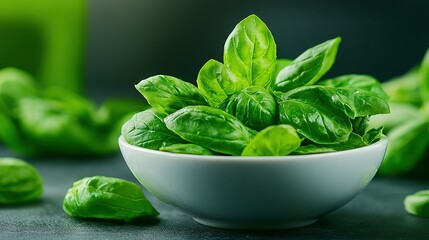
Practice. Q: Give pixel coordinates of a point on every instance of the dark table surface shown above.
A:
(376, 213)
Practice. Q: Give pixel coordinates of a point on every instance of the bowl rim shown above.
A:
(380, 143)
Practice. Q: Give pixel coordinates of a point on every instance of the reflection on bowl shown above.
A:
(255, 192)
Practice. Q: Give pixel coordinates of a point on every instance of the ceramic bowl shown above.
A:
(255, 192)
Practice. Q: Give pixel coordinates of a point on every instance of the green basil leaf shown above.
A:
(424, 78)
(309, 67)
(418, 203)
(351, 101)
(147, 129)
(215, 85)
(250, 52)
(254, 107)
(107, 198)
(169, 94)
(211, 128)
(407, 145)
(277, 140)
(363, 82)
(187, 148)
(315, 121)
(19, 182)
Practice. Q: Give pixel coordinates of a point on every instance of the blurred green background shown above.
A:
(126, 41)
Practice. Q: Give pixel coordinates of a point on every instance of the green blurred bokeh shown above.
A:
(45, 38)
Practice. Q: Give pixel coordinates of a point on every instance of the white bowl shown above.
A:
(255, 192)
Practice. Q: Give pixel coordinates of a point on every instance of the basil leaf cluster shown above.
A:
(107, 198)
(407, 126)
(19, 182)
(255, 104)
(54, 121)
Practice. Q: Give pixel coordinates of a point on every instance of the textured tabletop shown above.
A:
(377, 213)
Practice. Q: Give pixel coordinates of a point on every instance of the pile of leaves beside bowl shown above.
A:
(407, 126)
(54, 121)
(254, 104)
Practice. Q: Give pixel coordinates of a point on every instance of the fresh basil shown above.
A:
(169, 94)
(308, 67)
(250, 52)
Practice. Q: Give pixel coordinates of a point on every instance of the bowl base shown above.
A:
(254, 225)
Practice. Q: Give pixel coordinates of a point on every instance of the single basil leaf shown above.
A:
(211, 128)
(187, 148)
(215, 85)
(315, 121)
(280, 64)
(147, 129)
(407, 145)
(424, 78)
(418, 203)
(277, 140)
(351, 101)
(405, 88)
(250, 52)
(19, 182)
(309, 67)
(254, 107)
(107, 198)
(363, 82)
(169, 94)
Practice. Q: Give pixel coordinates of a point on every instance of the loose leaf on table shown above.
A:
(407, 145)
(307, 68)
(147, 129)
(19, 182)
(254, 107)
(169, 94)
(215, 85)
(363, 82)
(250, 52)
(107, 198)
(418, 203)
(424, 78)
(187, 148)
(276, 140)
(211, 128)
